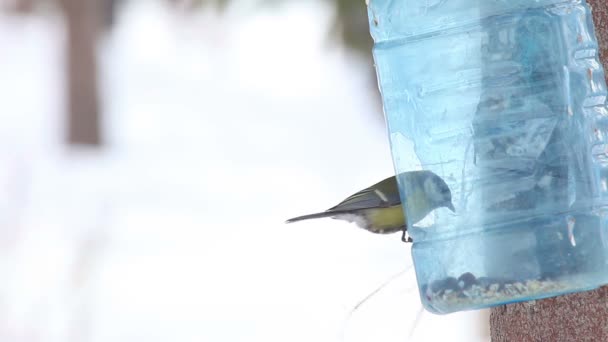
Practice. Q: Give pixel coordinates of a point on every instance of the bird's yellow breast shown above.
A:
(385, 220)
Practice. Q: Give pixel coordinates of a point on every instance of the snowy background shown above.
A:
(218, 128)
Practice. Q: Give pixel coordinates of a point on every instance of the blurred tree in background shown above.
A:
(82, 24)
(349, 25)
(350, 21)
(86, 19)
(23, 6)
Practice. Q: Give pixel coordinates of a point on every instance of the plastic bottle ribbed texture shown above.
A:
(506, 101)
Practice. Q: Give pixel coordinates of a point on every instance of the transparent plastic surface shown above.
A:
(506, 101)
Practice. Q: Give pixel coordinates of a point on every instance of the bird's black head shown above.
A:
(438, 191)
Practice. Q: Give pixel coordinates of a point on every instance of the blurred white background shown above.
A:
(216, 126)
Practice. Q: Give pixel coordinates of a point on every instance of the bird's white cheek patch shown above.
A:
(431, 189)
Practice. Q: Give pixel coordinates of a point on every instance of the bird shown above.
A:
(378, 208)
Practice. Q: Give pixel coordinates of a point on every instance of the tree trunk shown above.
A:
(108, 10)
(83, 120)
(575, 317)
(23, 6)
(600, 17)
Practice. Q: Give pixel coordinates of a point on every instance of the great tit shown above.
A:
(378, 208)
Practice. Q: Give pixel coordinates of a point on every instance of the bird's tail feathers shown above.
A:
(318, 215)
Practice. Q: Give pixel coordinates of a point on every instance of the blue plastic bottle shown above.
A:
(506, 101)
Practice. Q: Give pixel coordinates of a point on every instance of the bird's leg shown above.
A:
(403, 236)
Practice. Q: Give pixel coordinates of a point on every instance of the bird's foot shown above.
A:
(405, 237)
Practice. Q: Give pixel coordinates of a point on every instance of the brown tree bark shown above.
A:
(83, 122)
(600, 18)
(575, 317)
(23, 6)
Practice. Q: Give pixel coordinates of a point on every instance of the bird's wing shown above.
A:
(382, 194)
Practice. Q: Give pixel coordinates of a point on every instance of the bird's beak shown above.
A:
(451, 207)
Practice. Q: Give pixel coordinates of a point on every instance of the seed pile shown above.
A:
(467, 290)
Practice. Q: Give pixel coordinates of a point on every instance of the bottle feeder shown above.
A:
(506, 101)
